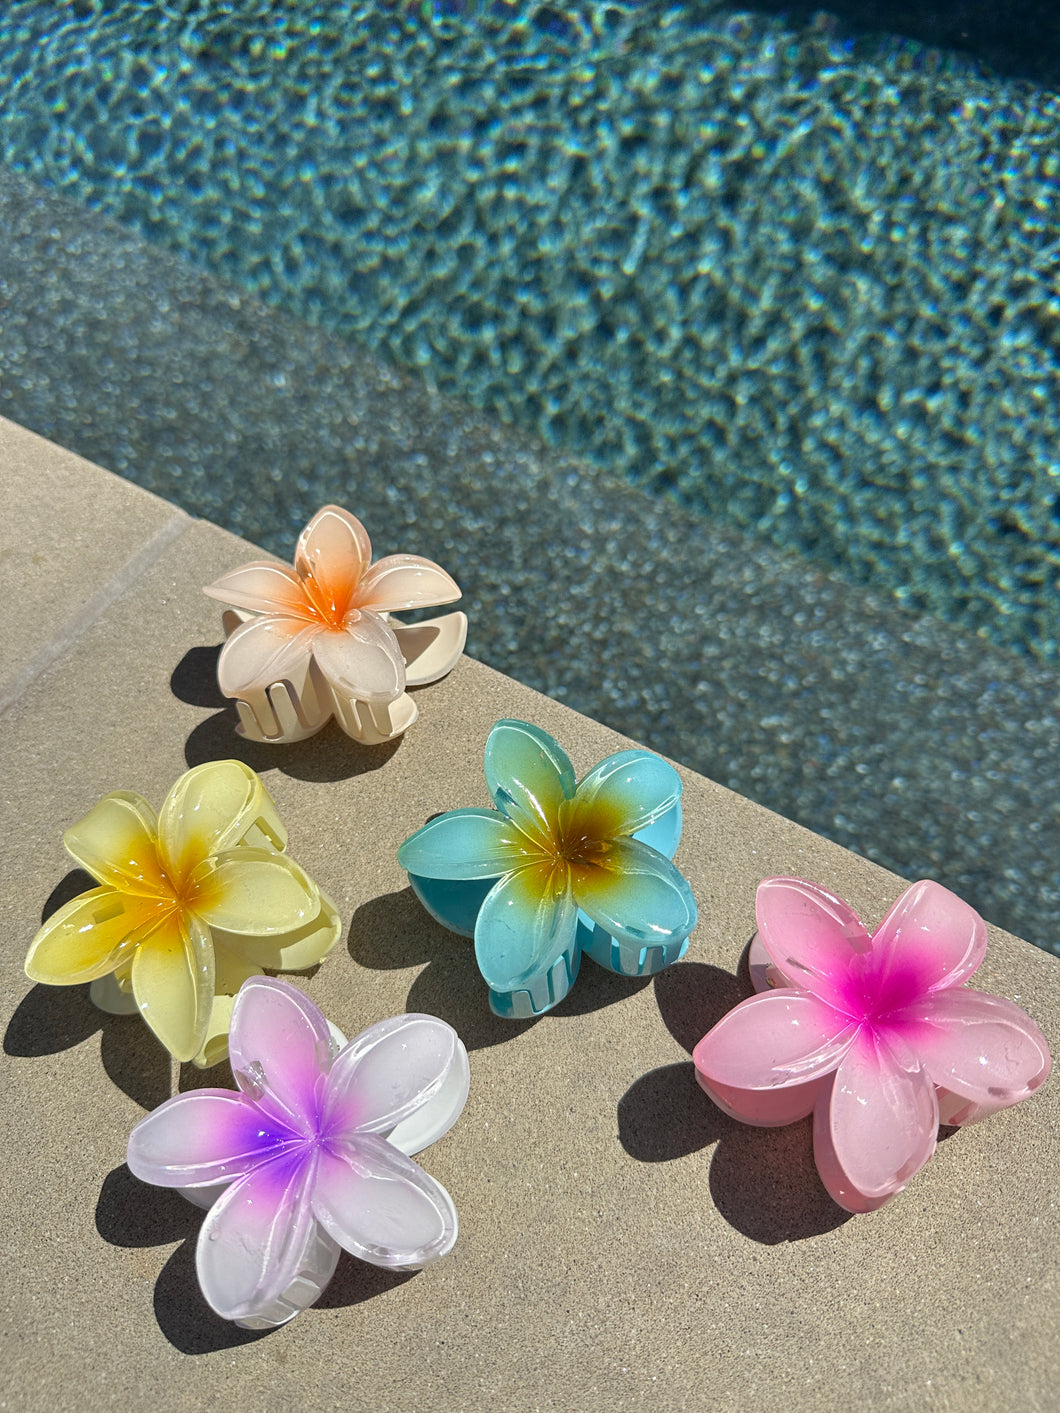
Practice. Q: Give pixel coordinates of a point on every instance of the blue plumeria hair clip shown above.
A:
(558, 868)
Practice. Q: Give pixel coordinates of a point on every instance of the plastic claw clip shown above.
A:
(311, 1155)
(191, 902)
(558, 868)
(318, 640)
(877, 1037)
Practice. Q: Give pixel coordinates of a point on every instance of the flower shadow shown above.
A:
(395, 931)
(191, 1077)
(132, 1213)
(356, 1281)
(328, 756)
(763, 1181)
(50, 1019)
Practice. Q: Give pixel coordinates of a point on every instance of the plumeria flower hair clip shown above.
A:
(190, 903)
(877, 1037)
(311, 1155)
(558, 868)
(318, 640)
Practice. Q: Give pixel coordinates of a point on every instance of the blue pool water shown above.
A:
(812, 294)
(788, 281)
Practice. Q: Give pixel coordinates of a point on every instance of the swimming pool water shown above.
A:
(810, 293)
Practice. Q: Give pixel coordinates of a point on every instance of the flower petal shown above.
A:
(929, 940)
(230, 971)
(529, 775)
(208, 810)
(280, 1049)
(89, 936)
(405, 581)
(295, 950)
(811, 936)
(626, 792)
(205, 1136)
(775, 1040)
(173, 980)
(634, 893)
(466, 843)
(263, 651)
(116, 843)
(883, 1118)
(386, 1073)
(978, 1046)
(381, 1206)
(766, 1108)
(362, 659)
(836, 1182)
(256, 1237)
(524, 926)
(331, 557)
(252, 891)
(214, 1047)
(262, 586)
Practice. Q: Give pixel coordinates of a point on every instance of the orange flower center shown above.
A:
(329, 605)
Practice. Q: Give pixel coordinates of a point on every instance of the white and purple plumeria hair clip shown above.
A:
(311, 1154)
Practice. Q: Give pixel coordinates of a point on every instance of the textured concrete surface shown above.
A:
(68, 533)
(622, 1244)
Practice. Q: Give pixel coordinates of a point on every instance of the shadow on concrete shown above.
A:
(356, 1281)
(763, 1181)
(131, 1213)
(50, 1019)
(328, 756)
(395, 931)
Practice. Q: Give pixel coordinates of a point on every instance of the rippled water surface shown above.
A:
(807, 284)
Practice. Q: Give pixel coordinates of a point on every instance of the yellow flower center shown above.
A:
(581, 835)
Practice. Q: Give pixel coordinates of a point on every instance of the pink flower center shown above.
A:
(876, 989)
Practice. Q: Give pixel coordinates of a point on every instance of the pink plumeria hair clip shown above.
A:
(318, 640)
(877, 1037)
(311, 1156)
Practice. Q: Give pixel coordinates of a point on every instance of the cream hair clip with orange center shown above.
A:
(318, 640)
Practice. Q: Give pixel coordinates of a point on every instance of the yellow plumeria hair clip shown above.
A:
(191, 902)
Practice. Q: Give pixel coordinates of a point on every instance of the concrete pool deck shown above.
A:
(623, 1245)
